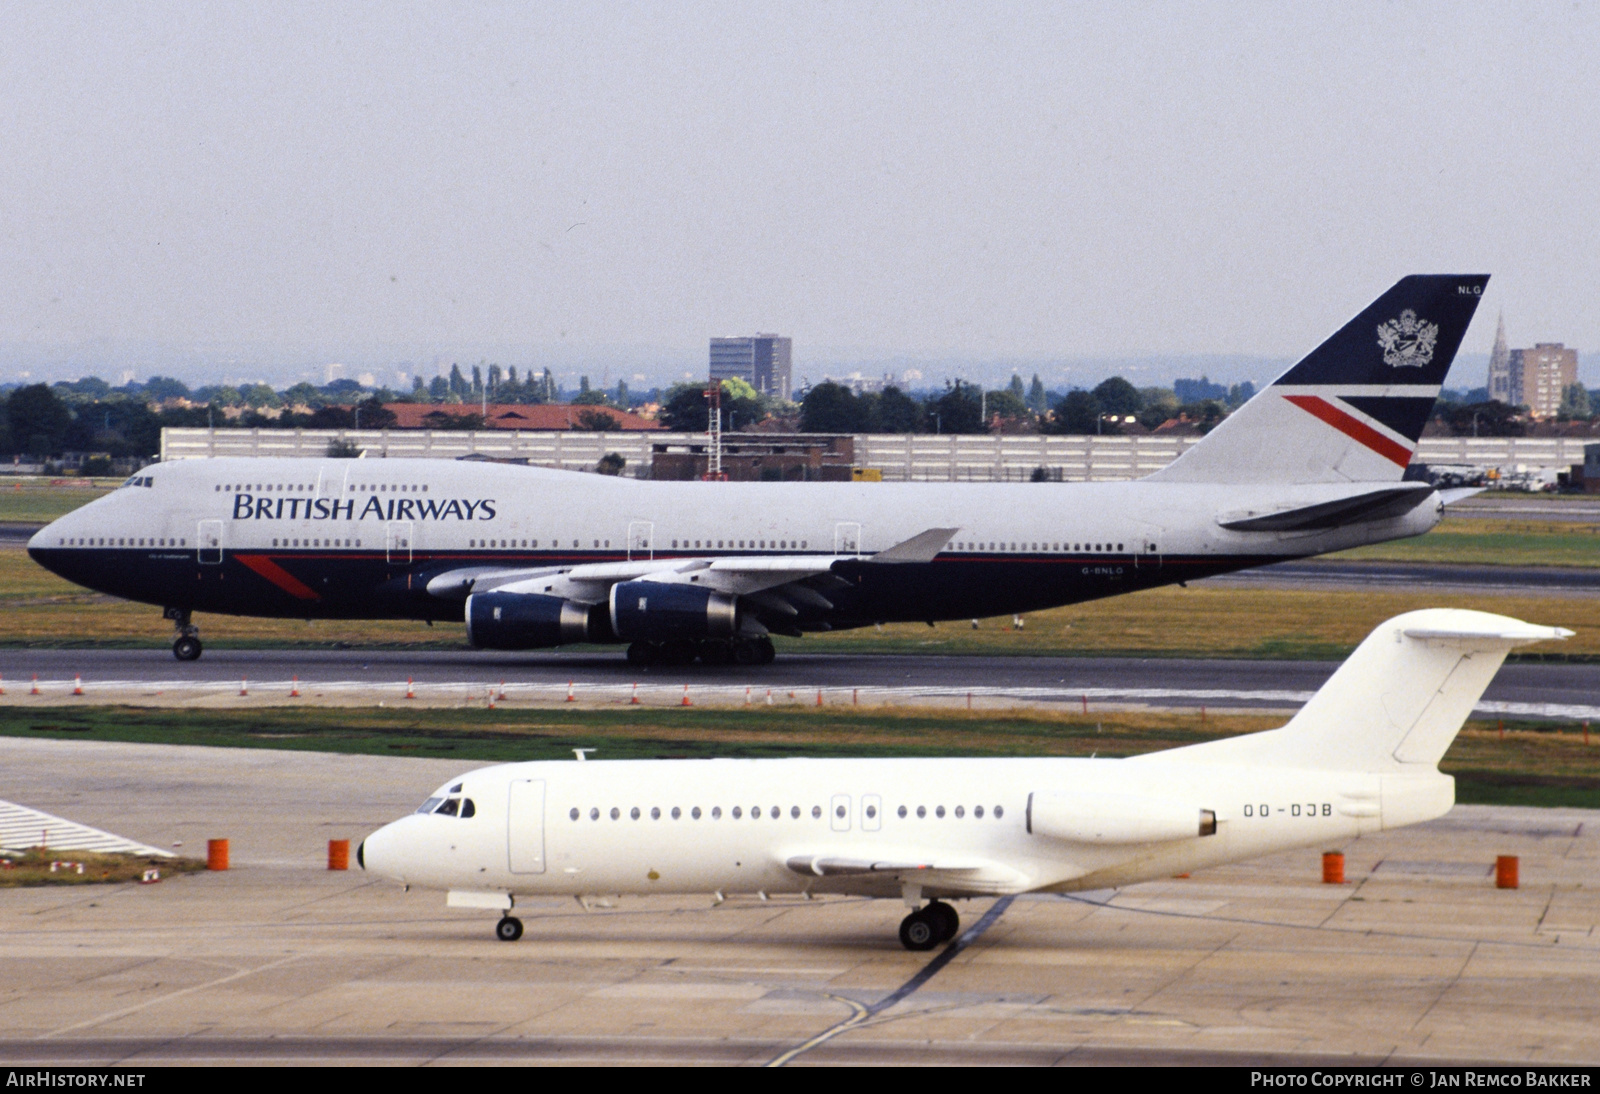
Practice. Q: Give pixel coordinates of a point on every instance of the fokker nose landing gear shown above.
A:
(186, 647)
(509, 929)
(927, 927)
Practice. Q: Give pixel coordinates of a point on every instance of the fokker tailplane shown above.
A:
(1396, 704)
(1353, 409)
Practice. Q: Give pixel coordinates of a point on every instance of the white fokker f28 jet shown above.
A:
(537, 558)
(1360, 757)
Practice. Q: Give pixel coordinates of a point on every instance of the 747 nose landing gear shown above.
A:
(186, 647)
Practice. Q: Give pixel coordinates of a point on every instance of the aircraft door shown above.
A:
(871, 812)
(525, 827)
(400, 534)
(847, 538)
(209, 542)
(641, 540)
(839, 813)
(1147, 540)
(1147, 555)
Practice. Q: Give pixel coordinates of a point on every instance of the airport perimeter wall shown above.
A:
(900, 457)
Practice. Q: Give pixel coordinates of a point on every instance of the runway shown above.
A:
(1522, 690)
(1418, 960)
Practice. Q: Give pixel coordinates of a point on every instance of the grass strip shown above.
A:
(39, 610)
(41, 866)
(1526, 763)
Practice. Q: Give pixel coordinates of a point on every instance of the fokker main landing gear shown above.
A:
(509, 929)
(926, 927)
(186, 647)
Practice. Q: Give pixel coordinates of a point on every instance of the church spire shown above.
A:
(1500, 365)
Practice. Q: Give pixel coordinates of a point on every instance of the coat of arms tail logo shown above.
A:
(1407, 342)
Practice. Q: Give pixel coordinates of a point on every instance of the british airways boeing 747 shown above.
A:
(532, 558)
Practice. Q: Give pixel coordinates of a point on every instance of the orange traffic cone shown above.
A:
(633, 700)
(35, 690)
(77, 685)
(244, 688)
(686, 696)
(411, 691)
(570, 697)
(294, 688)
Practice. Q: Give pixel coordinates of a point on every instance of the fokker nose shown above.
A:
(379, 853)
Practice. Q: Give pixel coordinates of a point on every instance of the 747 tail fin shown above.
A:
(1352, 410)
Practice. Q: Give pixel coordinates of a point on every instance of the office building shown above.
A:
(1540, 376)
(762, 361)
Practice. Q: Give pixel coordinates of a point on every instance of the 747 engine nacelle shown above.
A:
(527, 621)
(655, 611)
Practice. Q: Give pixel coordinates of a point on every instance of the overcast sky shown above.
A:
(877, 180)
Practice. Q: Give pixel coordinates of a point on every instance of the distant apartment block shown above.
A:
(1540, 376)
(762, 361)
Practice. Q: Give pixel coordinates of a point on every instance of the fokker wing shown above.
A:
(940, 870)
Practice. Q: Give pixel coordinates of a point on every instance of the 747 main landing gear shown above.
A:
(927, 927)
(509, 929)
(186, 647)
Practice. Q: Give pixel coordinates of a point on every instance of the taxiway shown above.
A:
(1418, 959)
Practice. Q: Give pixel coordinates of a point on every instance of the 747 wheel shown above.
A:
(187, 648)
(508, 929)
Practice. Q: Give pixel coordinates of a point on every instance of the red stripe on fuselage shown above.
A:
(280, 577)
(1353, 428)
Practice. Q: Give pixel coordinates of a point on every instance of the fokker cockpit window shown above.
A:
(450, 807)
